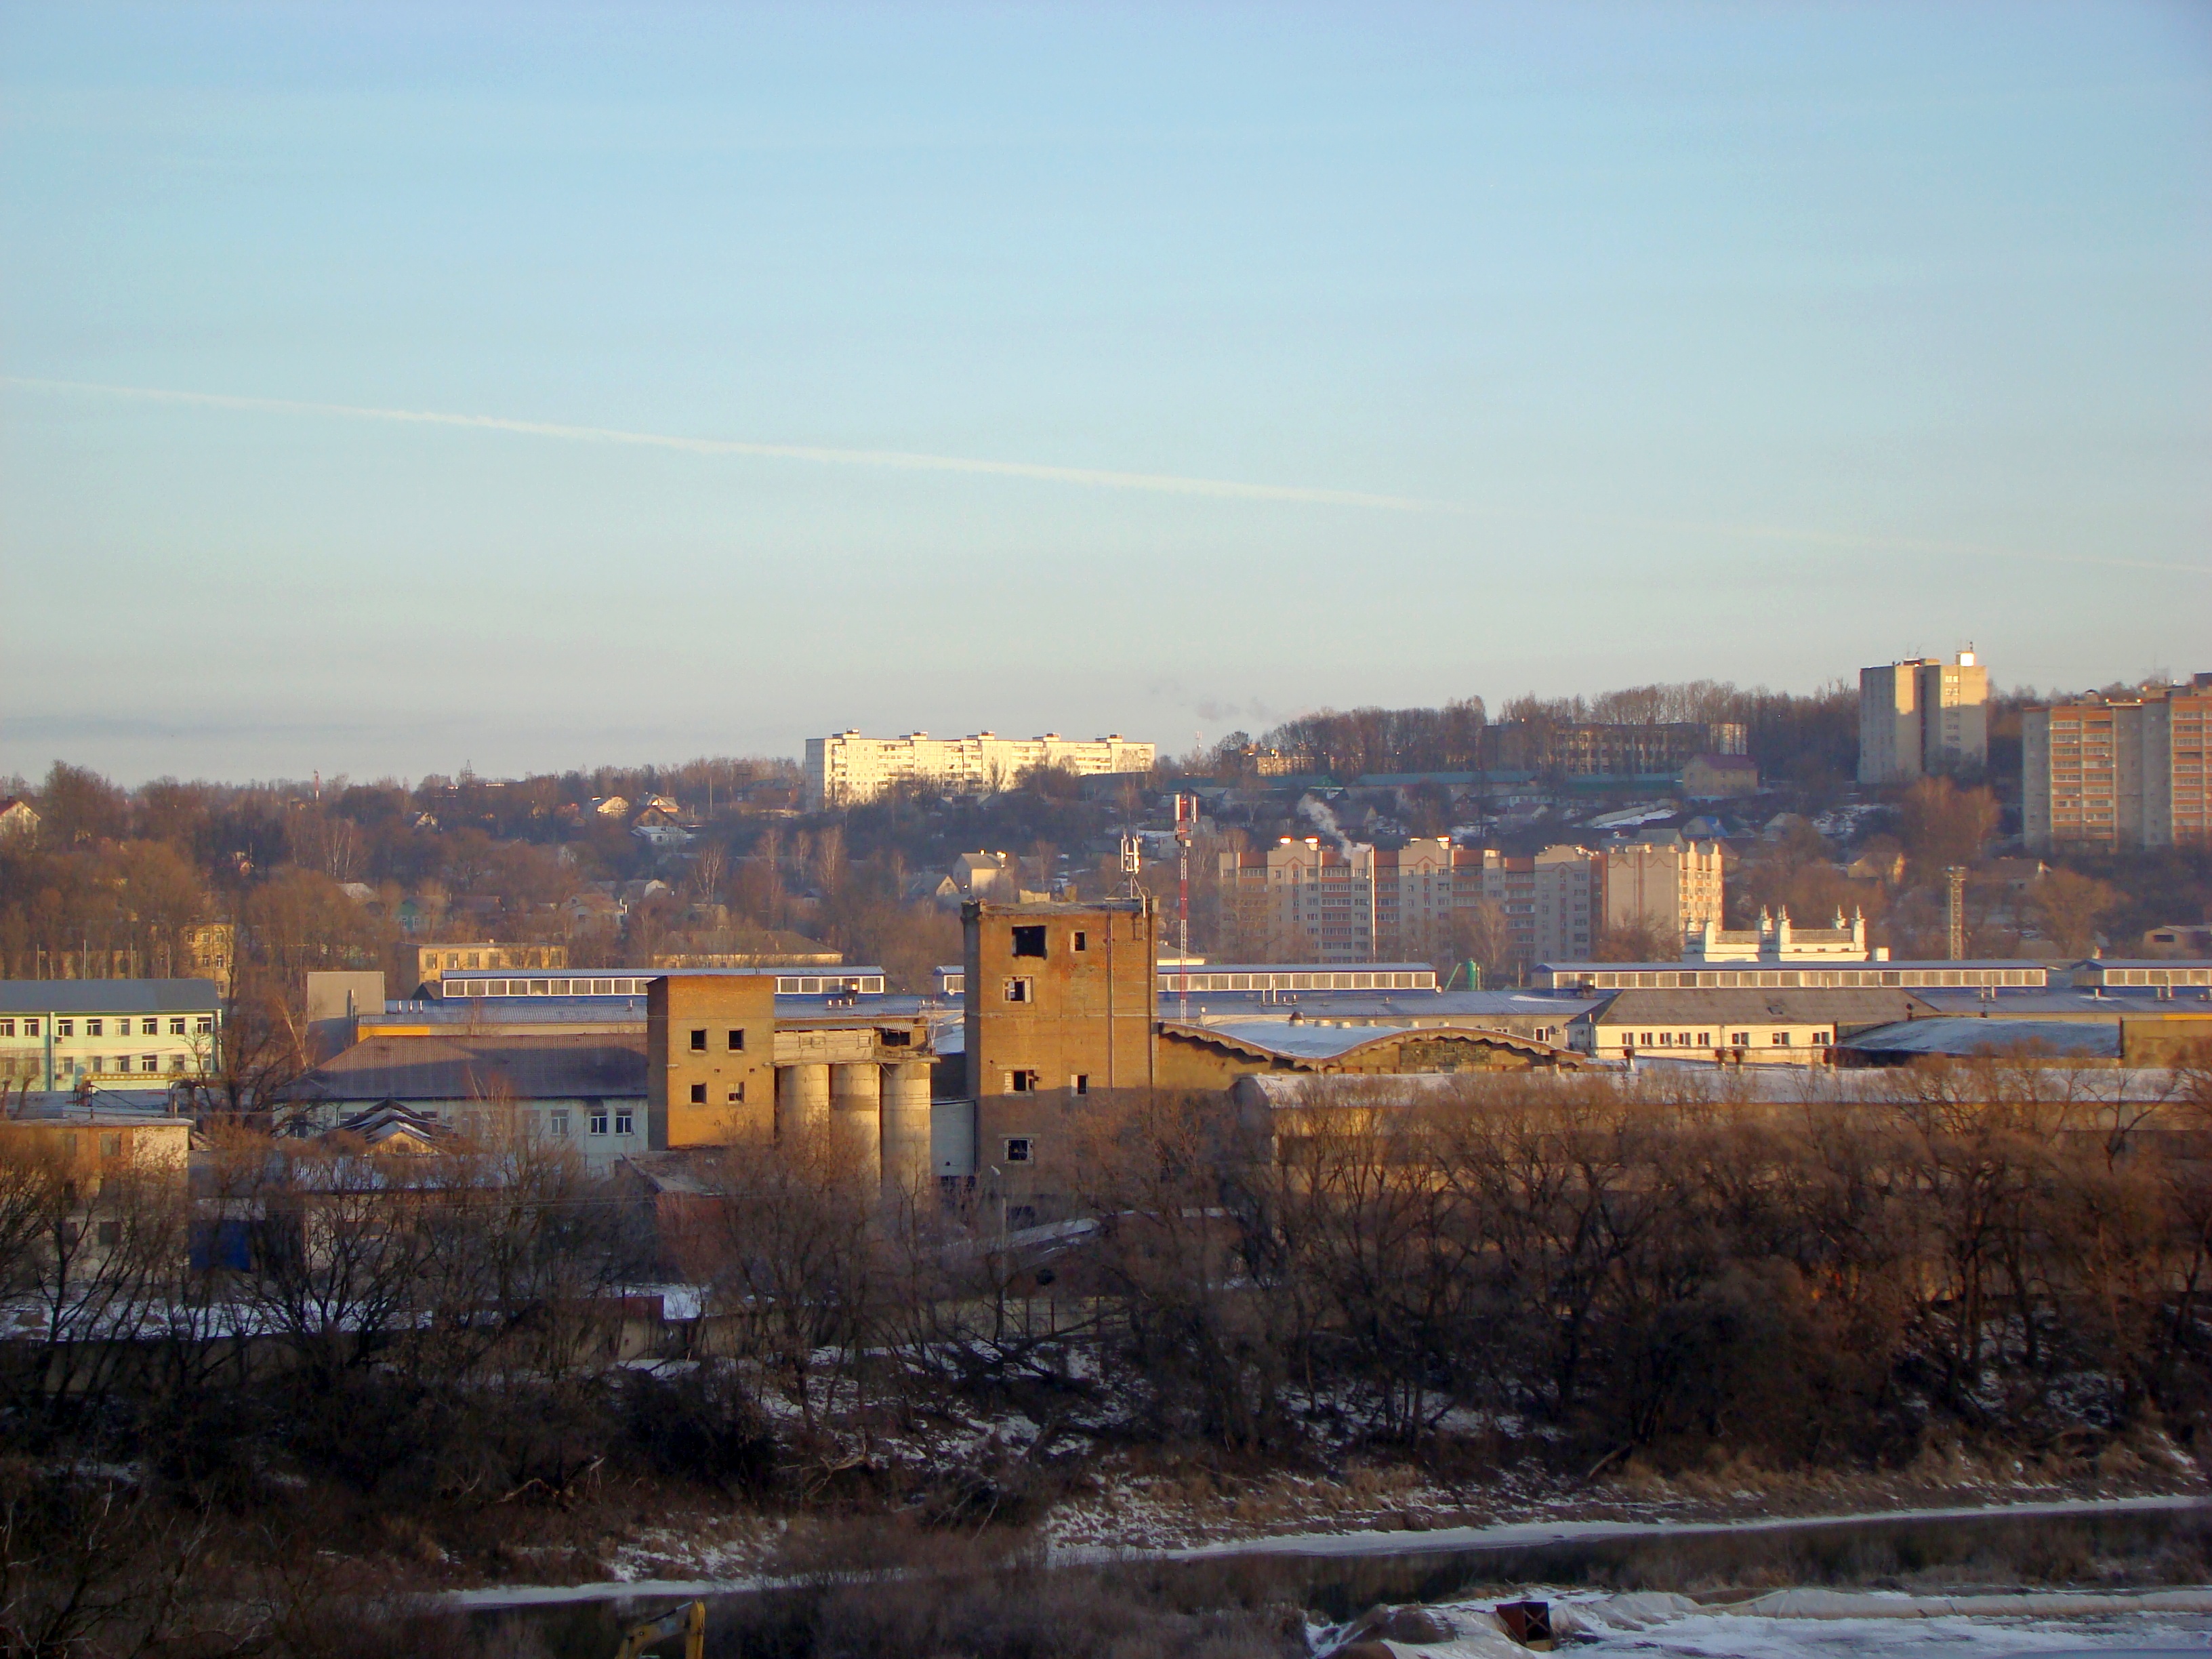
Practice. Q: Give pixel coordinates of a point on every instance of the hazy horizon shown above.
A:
(386, 391)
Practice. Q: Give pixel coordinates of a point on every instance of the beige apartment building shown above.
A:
(2122, 773)
(848, 769)
(1921, 716)
(417, 969)
(1673, 890)
(1314, 901)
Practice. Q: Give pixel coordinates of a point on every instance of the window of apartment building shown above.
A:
(1704, 1039)
(1820, 1039)
(737, 1095)
(559, 1123)
(150, 1062)
(736, 1042)
(1781, 1039)
(204, 1026)
(30, 1028)
(176, 1062)
(1080, 1083)
(699, 1041)
(599, 1120)
(92, 1028)
(623, 1121)
(1021, 988)
(177, 1026)
(149, 1028)
(64, 1028)
(1029, 941)
(698, 1094)
(1017, 1149)
(1022, 1083)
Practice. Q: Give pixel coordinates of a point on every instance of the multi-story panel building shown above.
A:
(113, 1033)
(1672, 889)
(1605, 749)
(1922, 716)
(2119, 772)
(1318, 902)
(848, 769)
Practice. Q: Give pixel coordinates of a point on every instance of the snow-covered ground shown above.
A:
(1520, 1533)
(1819, 1625)
(1721, 1636)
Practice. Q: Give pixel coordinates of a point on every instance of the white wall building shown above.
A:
(118, 1033)
(848, 769)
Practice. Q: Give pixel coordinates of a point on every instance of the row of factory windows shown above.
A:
(786, 985)
(1704, 1040)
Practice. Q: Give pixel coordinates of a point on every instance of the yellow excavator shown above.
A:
(688, 1620)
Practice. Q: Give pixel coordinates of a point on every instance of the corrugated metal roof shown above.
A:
(1311, 1040)
(109, 996)
(1300, 1039)
(556, 1066)
(2055, 1002)
(1962, 1037)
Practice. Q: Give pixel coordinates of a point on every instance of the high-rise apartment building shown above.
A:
(1922, 716)
(1671, 889)
(1318, 901)
(2118, 772)
(848, 769)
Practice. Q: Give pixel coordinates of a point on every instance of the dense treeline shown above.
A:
(1808, 739)
(1558, 1272)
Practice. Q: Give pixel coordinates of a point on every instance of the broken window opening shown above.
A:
(1029, 941)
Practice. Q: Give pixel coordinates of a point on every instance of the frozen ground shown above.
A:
(1669, 1625)
(1719, 1635)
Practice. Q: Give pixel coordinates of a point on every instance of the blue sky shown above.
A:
(1743, 342)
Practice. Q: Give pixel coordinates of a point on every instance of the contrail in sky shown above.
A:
(1160, 483)
(1163, 483)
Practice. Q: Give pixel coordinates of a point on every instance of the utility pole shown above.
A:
(1954, 882)
(1186, 823)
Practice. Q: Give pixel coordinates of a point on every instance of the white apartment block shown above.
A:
(848, 769)
(113, 1033)
(1922, 716)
